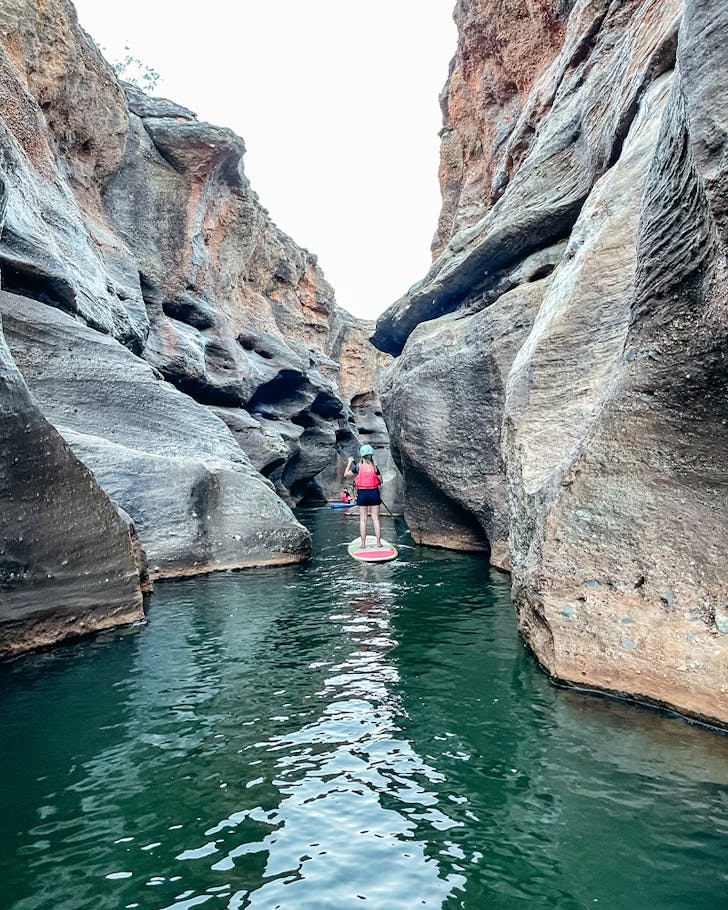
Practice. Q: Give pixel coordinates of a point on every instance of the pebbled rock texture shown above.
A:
(572, 341)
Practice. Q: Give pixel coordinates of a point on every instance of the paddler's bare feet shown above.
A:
(379, 544)
(363, 545)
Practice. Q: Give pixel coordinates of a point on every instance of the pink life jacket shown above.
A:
(366, 478)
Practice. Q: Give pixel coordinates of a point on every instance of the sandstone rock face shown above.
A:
(145, 226)
(181, 344)
(69, 563)
(583, 358)
(502, 48)
(444, 404)
(569, 132)
(360, 378)
(240, 318)
(196, 501)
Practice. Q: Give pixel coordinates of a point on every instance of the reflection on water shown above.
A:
(340, 734)
(333, 772)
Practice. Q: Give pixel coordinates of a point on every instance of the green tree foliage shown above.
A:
(131, 69)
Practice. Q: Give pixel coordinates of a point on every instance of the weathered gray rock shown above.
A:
(443, 399)
(264, 445)
(611, 421)
(128, 212)
(138, 221)
(143, 105)
(626, 482)
(196, 501)
(583, 105)
(359, 378)
(63, 122)
(241, 318)
(69, 563)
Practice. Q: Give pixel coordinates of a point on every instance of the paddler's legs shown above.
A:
(363, 525)
(375, 521)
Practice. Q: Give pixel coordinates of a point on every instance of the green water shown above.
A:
(341, 736)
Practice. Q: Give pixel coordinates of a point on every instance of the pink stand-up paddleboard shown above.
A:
(372, 553)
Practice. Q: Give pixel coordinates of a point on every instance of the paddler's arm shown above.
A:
(350, 471)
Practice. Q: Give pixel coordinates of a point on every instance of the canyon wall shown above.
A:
(361, 369)
(559, 394)
(176, 354)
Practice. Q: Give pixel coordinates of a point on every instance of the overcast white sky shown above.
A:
(338, 105)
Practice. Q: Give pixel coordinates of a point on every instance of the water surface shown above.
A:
(338, 736)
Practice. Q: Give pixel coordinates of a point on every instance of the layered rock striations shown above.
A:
(563, 362)
(502, 48)
(177, 343)
(69, 562)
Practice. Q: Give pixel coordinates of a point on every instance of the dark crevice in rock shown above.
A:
(584, 48)
(163, 153)
(202, 391)
(311, 495)
(456, 528)
(663, 62)
(480, 280)
(191, 311)
(253, 344)
(296, 487)
(327, 405)
(267, 470)
(151, 295)
(26, 281)
(541, 273)
(287, 387)
(304, 419)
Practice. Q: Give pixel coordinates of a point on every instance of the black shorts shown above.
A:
(368, 497)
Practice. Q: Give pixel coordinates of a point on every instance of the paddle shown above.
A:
(400, 525)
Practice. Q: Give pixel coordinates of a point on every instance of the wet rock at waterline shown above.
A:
(164, 324)
(443, 399)
(196, 501)
(69, 562)
(592, 421)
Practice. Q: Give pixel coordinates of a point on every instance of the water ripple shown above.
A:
(335, 735)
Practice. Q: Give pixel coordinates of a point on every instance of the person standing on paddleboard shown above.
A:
(367, 481)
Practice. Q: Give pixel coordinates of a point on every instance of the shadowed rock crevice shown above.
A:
(456, 527)
(287, 393)
(18, 278)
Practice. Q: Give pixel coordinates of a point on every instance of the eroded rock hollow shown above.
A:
(175, 370)
(559, 394)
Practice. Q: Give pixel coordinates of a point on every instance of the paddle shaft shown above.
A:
(401, 527)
